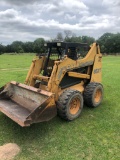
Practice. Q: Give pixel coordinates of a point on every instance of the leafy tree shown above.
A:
(109, 43)
(38, 45)
(103, 40)
(70, 36)
(8, 49)
(83, 39)
(87, 39)
(29, 47)
(2, 49)
(116, 43)
(59, 37)
(17, 46)
(68, 33)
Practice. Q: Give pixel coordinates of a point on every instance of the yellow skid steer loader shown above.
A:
(59, 82)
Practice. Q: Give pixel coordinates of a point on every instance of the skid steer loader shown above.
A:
(58, 82)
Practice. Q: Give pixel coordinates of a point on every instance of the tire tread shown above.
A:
(62, 103)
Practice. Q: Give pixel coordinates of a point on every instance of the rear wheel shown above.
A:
(93, 94)
(70, 104)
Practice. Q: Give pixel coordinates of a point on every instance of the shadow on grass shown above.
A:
(18, 133)
(12, 132)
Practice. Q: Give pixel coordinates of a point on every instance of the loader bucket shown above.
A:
(25, 104)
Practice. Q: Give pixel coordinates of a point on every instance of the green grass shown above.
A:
(13, 64)
(93, 136)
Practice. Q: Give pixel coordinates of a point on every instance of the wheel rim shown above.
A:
(98, 95)
(74, 106)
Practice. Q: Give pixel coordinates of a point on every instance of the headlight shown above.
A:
(58, 44)
(45, 44)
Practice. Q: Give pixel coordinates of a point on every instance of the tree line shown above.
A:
(109, 43)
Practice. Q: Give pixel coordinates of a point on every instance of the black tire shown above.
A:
(37, 84)
(93, 94)
(70, 104)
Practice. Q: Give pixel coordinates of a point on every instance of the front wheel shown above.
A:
(70, 104)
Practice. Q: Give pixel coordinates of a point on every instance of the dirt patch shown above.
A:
(9, 151)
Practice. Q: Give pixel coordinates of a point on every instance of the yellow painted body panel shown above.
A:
(78, 75)
(35, 69)
(97, 69)
(92, 60)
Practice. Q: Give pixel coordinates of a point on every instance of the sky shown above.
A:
(27, 20)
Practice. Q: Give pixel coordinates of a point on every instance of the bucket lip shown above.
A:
(22, 123)
(37, 90)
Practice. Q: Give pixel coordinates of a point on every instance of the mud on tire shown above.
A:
(93, 94)
(70, 104)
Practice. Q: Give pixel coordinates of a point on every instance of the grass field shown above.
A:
(93, 136)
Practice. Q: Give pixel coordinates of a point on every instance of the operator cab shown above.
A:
(57, 50)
